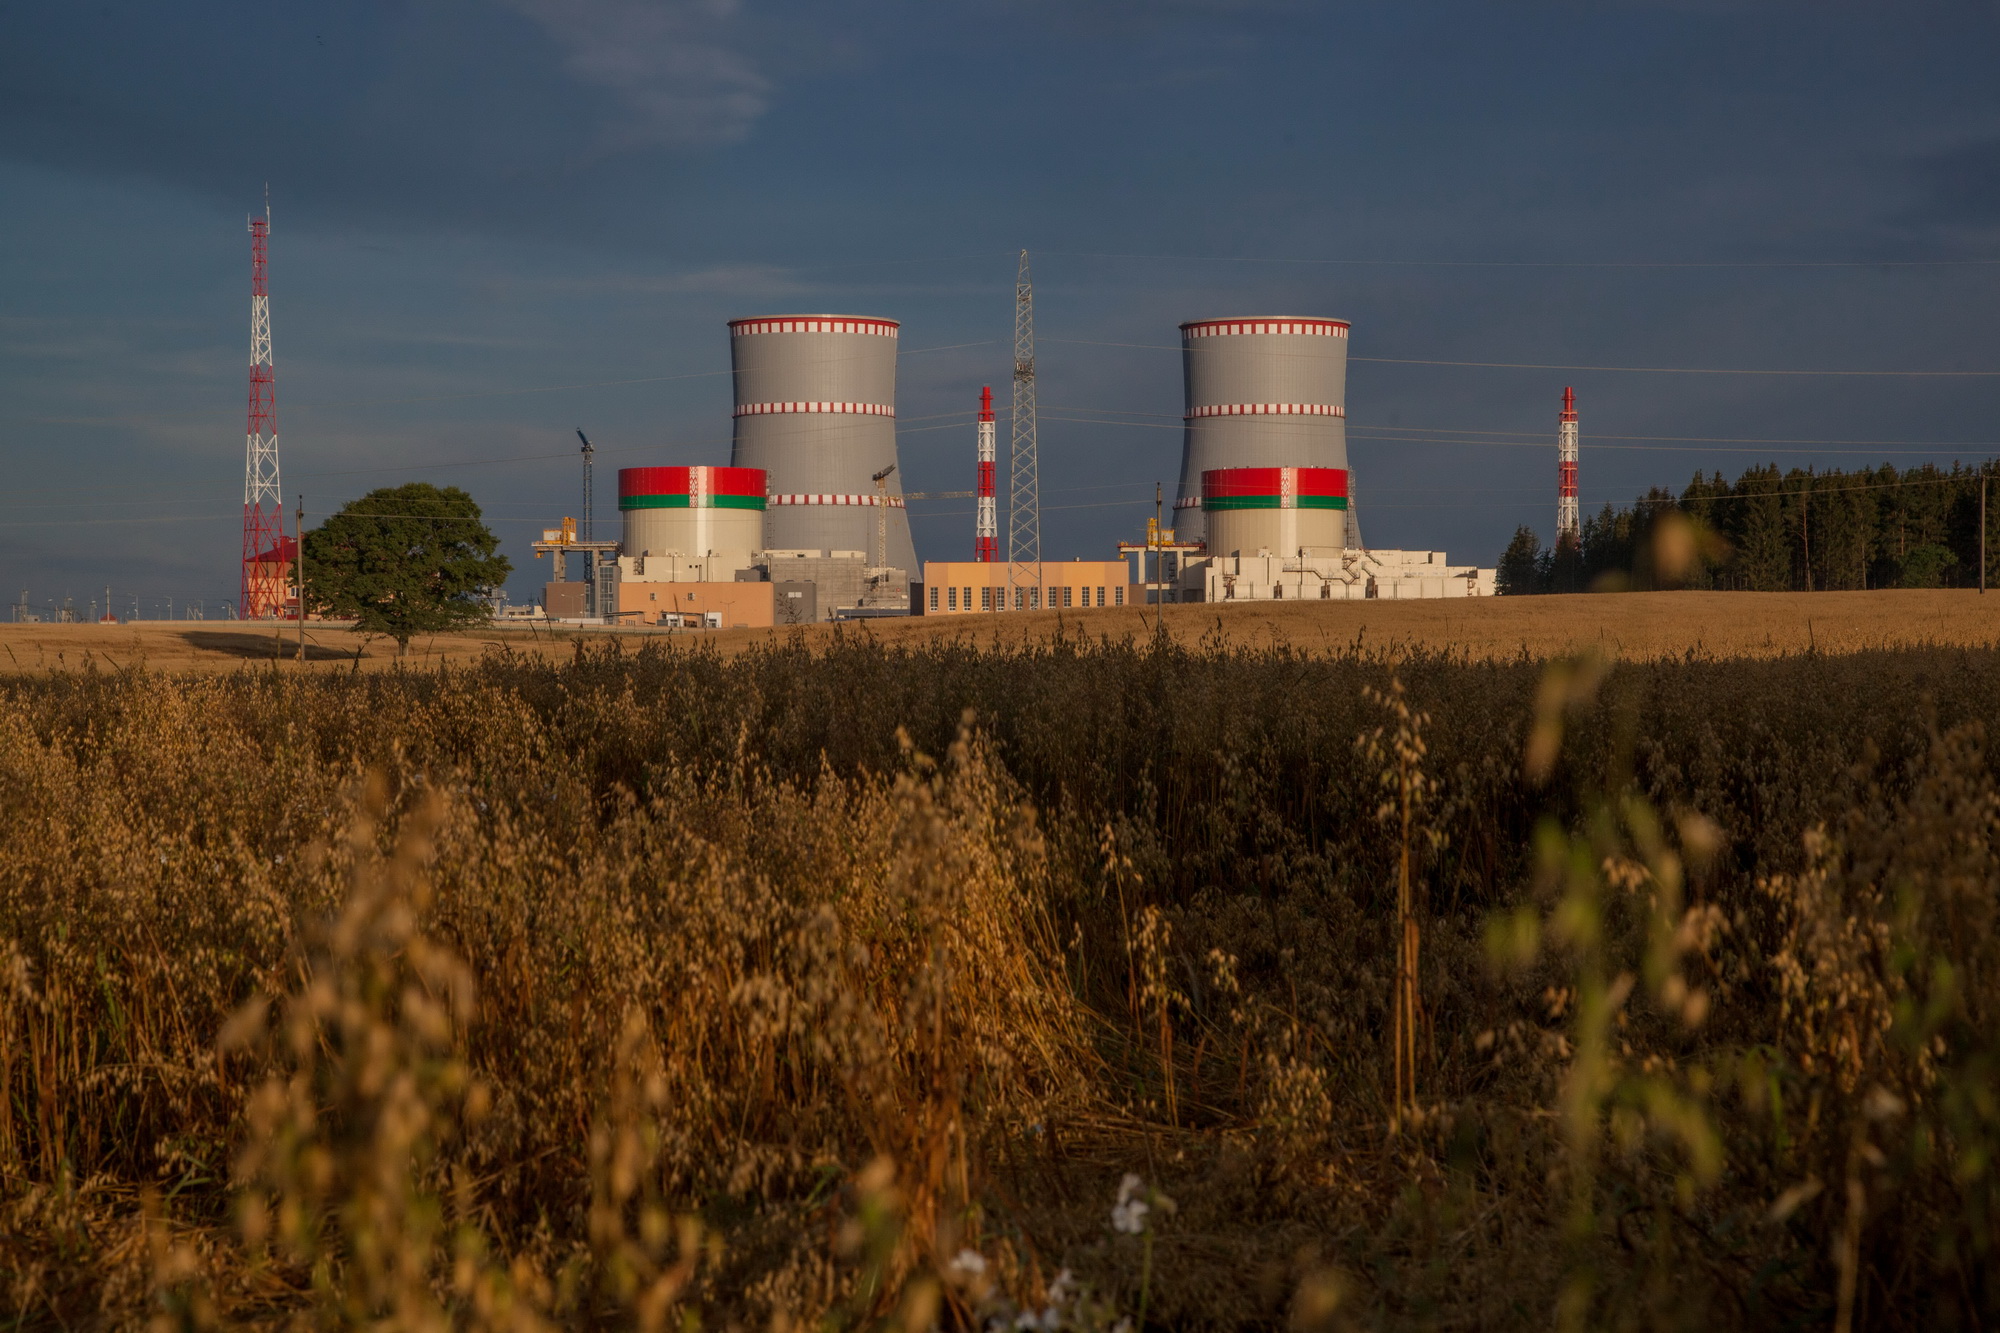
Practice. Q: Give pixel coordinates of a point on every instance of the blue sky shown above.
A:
(498, 220)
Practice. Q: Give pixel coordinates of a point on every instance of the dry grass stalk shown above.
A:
(1399, 755)
(657, 987)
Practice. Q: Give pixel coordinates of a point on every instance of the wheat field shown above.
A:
(1084, 982)
(1637, 626)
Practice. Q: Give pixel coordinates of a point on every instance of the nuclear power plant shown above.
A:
(809, 521)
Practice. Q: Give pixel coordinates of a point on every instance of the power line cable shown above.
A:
(1538, 365)
(1543, 263)
(294, 408)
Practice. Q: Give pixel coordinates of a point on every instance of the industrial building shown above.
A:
(699, 605)
(958, 586)
(1280, 533)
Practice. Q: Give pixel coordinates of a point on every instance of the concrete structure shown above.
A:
(1340, 576)
(1276, 534)
(795, 603)
(843, 581)
(954, 587)
(816, 410)
(564, 601)
(704, 605)
(690, 524)
(1268, 391)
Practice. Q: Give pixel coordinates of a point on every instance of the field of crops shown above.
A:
(1637, 626)
(1066, 984)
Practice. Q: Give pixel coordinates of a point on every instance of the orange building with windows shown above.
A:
(955, 587)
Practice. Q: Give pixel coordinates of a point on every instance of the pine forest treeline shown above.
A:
(1773, 531)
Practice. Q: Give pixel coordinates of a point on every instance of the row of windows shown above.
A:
(1025, 599)
(1278, 591)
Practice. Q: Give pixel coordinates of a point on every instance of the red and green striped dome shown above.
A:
(1274, 488)
(691, 488)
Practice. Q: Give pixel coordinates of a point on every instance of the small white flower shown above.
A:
(968, 1263)
(1062, 1288)
(1129, 1216)
(1122, 1326)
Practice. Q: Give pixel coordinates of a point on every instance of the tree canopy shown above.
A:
(1772, 531)
(403, 561)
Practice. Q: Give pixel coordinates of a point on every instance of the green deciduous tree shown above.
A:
(403, 561)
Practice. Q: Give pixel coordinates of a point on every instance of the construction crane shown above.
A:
(563, 542)
(881, 480)
(588, 454)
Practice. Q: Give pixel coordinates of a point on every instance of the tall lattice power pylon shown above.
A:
(1024, 486)
(267, 551)
(1568, 521)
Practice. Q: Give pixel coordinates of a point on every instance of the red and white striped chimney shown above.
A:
(1568, 521)
(986, 527)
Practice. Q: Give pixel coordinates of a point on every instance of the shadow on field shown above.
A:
(245, 643)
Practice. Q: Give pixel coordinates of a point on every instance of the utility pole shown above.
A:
(1984, 473)
(1805, 527)
(1024, 487)
(299, 572)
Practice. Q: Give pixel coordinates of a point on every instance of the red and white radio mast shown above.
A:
(986, 528)
(267, 551)
(1567, 521)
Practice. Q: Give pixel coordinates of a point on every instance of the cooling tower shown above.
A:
(1266, 392)
(816, 409)
(1280, 511)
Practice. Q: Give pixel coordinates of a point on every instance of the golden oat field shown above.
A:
(1586, 962)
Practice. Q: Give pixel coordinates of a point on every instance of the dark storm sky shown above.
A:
(498, 220)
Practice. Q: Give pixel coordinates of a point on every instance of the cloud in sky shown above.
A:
(669, 64)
